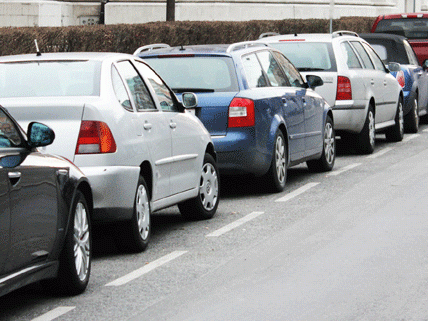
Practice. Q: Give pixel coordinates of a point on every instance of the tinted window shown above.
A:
(411, 28)
(389, 50)
(350, 56)
(410, 54)
(272, 69)
(292, 74)
(363, 55)
(377, 61)
(138, 89)
(253, 71)
(9, 133)
(196, 73)
(50, 78)
(306, 56)
(120, 90)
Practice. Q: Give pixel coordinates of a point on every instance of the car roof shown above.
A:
(388, 36)
(64, 56)
(404, 15)
(314, 37)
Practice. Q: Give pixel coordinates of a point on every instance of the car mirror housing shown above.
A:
(39, 135)
(314, 81)
(425, 64)
(394, 66)
(190, 100)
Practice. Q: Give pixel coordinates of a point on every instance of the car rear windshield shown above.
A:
(308, 56)
(416, 28)
(197, 74)
(49, 78)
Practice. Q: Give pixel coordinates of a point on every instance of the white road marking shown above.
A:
(425, 130)
(297, 192)
(410, 137)
(381, 152)
(146, 268)
(235, 224)
(53, 314)
(344, 169)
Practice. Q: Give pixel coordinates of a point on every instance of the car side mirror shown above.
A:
(394, 66)
(425, 64)
(314, 81)
(190, 100)
(39, 135)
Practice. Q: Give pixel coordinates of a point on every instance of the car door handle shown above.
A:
(372, 82)
(385, 83)
(172, 125)
(147, 126)
(14, 177)
(284, 102)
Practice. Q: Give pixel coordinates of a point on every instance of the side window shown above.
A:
(272, 69)
(9, 134)
(120, 90)
(139, 92)
(253, 71)
(377, 61)
(292, 74)
(363, 55)
(159, 87)
(411, 54)
(350, 56)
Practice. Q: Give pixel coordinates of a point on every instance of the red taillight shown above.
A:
(95, 137)
(400, 78)
(344, 90)
(241, 113)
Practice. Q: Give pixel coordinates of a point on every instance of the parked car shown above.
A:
(260, 113)
(45, 213)
(413, 26)
(364, 96)
(412, 77)
(126, 130)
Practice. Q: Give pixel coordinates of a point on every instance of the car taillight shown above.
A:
(344, 90)
(95, 137)
(241, 113)
(400, 78)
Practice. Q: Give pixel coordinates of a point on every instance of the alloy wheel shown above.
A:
(143, 212)
(208, 188)
(82, 245)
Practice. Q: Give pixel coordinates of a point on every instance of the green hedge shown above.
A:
(127, 38)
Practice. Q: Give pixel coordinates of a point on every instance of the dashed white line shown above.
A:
(235, 224)
(381, 152)
(53, 314)
(410, 137)
(344, 169)
(297, 192)
(146, 268)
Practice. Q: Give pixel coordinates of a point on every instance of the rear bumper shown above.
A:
(349, 116)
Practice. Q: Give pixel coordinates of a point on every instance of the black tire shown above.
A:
(76, 255)
(204, 205)
(133, 235)
(326, 161)
(411, 120)
(365, 142)
(276, 177)
(396, 132)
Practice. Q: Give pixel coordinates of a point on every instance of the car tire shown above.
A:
(365, 142)
(326, 161)
(396, 132)
(76, 255)
(276, 176)
(133, 235)
(411, 120)
(204, 205)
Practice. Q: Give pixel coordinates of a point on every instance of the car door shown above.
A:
(186, 147)
(4, 211)
(150, 125)
(419, 74)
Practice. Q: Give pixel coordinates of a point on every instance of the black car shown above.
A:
(45, 210)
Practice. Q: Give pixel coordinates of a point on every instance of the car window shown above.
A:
(377, 61)
(253, 71)
(292, 74)
(411, 54)
(416, 28)
(272, 69)
(162, 92)
(368, 64)
(350, 56)
(9, 133)
(120, 90)
(139, 92)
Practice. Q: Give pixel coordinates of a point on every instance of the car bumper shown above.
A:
(349, 116)
(408, 95)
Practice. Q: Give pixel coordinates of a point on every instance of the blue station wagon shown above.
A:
(261, 115)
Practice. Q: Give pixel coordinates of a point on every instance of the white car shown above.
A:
(117, 120)
(364, 96)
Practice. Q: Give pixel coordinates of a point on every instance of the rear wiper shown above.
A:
(310, 69)
(194, 90)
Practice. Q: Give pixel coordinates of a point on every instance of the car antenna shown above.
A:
(182, 48)
(37, 48)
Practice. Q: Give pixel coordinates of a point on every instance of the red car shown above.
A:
(414, 26)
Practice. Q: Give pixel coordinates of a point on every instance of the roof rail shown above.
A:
(151, 47)
(268, 34)
(344, 33)
(245, 44)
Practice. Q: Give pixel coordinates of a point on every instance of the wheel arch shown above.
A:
(284, 131)
(86, 190)
(147, 172)
(210, 150)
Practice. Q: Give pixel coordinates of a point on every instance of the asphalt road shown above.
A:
(345, 245)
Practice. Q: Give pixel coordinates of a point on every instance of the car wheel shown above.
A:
(133, 235)
(76, 256)
(277, 174)
(396, 132)
(367, 137)
(204, 205)
(328, 156)
(411, 120)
